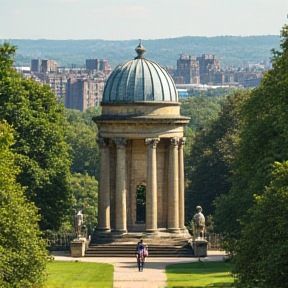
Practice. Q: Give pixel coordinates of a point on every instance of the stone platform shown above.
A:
(160, 244)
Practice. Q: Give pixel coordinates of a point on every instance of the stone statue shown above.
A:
(198, 224)
(78, 221)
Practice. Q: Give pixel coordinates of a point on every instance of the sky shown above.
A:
(146, 19)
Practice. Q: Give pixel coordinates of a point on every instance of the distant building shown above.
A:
(97, 65)
(103, 65)
(57, 83)
(196, 70)
(82, 93)
(183, 93)
(92, 64)
(208, 65)
(187, 70)
(205, 70)
(35, 65)
(43, 65)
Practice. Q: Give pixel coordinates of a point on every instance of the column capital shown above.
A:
(182, 142)
(120, 142)
(152, 142)
(102, 142)
(175, 141)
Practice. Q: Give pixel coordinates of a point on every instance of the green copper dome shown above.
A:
(139, 80)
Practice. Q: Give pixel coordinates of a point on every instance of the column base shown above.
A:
(119, 231)
(174, 230)
(150, 231)
(103, 229)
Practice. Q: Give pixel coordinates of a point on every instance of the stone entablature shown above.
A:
(147, 109)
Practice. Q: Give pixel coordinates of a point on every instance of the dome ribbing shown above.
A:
(139, 80)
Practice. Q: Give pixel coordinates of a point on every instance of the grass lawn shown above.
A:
(79, 275)
(200, 274)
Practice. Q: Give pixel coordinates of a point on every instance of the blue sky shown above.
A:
(146, 19)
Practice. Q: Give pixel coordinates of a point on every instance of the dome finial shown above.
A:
(140, 50)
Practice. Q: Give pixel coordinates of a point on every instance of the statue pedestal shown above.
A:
(200, 247)
(78, 247)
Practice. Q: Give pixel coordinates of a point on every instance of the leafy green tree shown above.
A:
(263, 141)
(201, 109)
(210, 162)
(262, 250)
(39, 133)
(85, 192)
(22, 251)
(81, 137)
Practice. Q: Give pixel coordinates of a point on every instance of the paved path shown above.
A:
(126, 274)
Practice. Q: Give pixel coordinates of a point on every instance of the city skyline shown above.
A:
(128, 19)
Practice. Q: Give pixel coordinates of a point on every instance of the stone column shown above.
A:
(181, 184)
(173, 188)
(120, 198)
(151, 189)
(104, 187)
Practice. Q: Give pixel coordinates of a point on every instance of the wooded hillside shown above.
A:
(230, 50)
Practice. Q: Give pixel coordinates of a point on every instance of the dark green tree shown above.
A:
(201, 109)
(263, 141)
(85, 194)
(210, 162)
(81, 137)
(39, 140)
(22, 250)
(262, 250)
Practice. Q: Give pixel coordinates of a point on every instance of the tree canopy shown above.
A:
(257, 186)
(42, 152)
(81, 138)
(22, 251)
(85, 194)
(212, 153)
(262, 140)
(262, 249)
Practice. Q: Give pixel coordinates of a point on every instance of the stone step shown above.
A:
(128, 250)
(161, 244)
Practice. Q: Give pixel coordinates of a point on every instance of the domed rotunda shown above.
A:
(140, 135)
(140, 80)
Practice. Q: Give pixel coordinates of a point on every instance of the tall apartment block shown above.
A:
(208, 65)
(196, 70)
(187, 70)
(92, 64)
(97, 65)
(43, 65)
(82, 93)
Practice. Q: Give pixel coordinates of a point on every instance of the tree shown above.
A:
(212, 154)
(22, 251)
(81, 137)
(263, 141)
(40, 145)
(85, 192)
(201, 109)
(262, 255)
